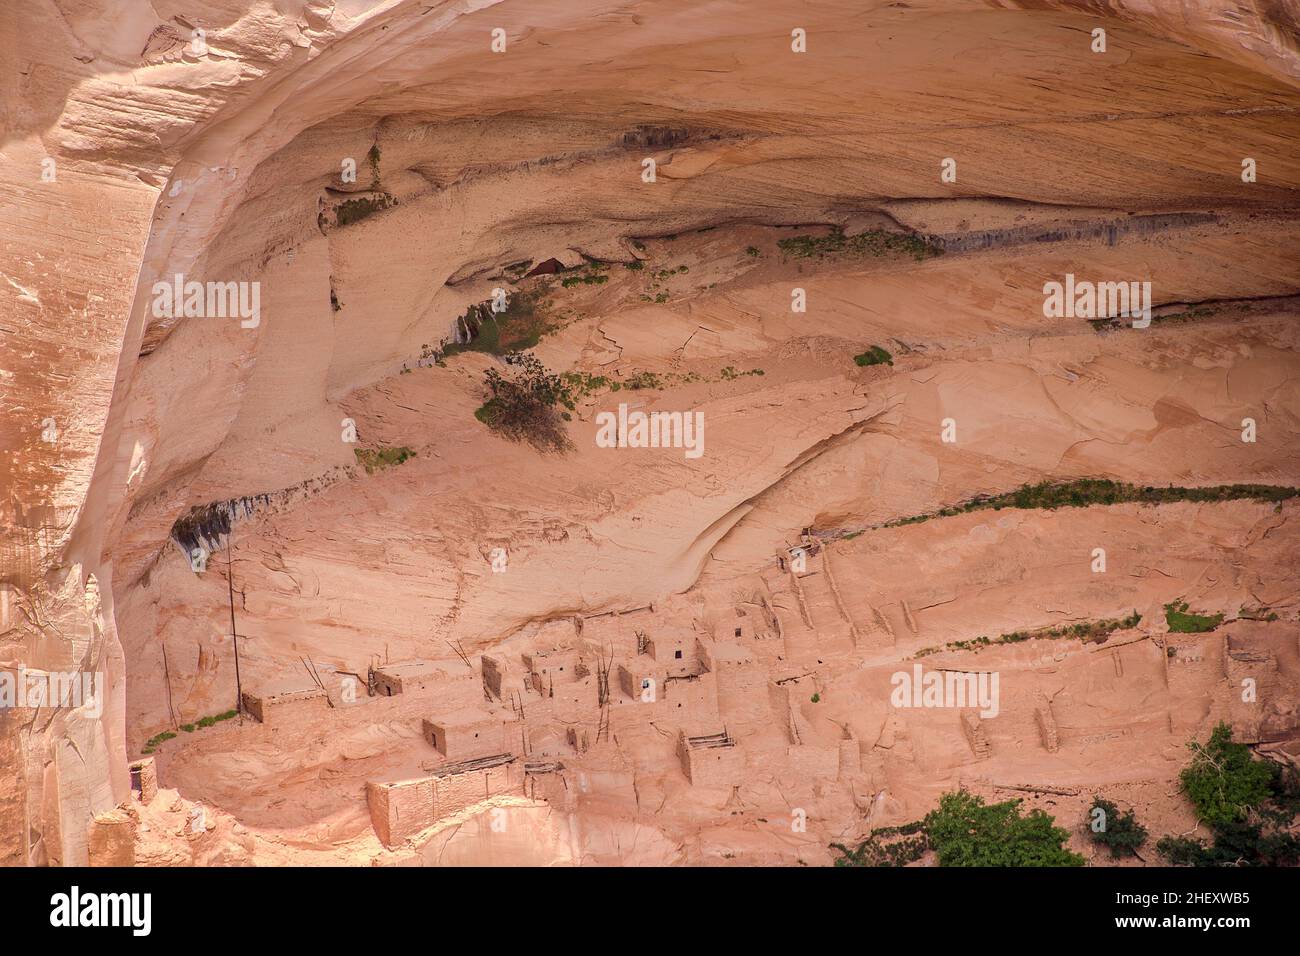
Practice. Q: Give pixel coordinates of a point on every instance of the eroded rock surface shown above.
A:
(381, 170)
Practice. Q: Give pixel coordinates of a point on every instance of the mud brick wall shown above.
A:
(292, 713)
(714, 766)
(400, 810)
(743, 697)
(111, 841)
(814, 761)
(464, 739)
(492, 676)
(457, 792)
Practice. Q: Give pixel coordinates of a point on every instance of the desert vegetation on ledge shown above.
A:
(377, 459)
(526, 404)
(963, 830)
(874, 242)
(157, 740)
(1090, 632)
(876, 355)
(1182, 621)
(1086, 492)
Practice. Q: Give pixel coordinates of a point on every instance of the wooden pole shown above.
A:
(230, 587)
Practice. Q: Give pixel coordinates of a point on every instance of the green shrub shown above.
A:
(1234, 844)
(217, 718)
(591, 275)
(155, 741)
(1119, 832)
(1262, 835)
(1085, 492)
(377, 459)
(152, 744)
(1180, 621)
(1091, 632)
(640, 380)
(522, 406)
(1224, 780)
(965, 831)
(874, 356)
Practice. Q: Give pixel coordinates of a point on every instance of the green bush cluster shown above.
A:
(525, 405)
(155, 741)
(874, 242)
(875, 355)
(577, 384)
(965, 831)
(1092, 632)
(1084, 492)
(1119, 832)
(1224, 780)
(1181, 621)
(590, 275)
(377, 459)
(1248, 804)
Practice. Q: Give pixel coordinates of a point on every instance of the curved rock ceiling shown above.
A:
(380, 171)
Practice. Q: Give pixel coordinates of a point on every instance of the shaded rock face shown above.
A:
(345, 182)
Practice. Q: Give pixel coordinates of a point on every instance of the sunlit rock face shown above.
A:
(250, 265)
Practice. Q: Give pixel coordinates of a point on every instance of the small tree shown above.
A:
(1249, 805)
(1119, 831)
(964, 831)
(1224, 781)
(523, 405)
(1235, 844)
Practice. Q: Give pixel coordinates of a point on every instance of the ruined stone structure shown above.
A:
(286, 708)
(465, 734)
(972, 726)
(711, 759)
(419, 675)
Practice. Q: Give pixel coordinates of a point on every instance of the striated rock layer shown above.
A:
(378, 171)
